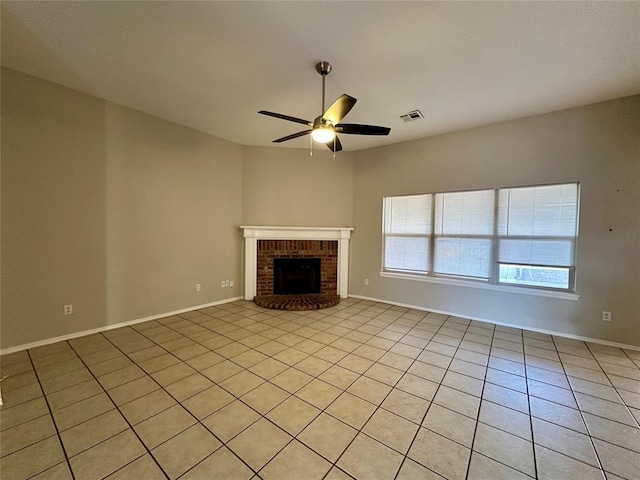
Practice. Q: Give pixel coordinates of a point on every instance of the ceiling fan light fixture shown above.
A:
(323, 134)
(325, 128)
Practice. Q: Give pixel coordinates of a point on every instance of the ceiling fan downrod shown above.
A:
(323, 68)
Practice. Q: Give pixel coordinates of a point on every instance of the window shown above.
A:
(523, 236)
(407, 228)
(537, 228)
(464, 233)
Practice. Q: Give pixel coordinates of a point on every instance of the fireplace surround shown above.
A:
(339, 236)
(272, 253)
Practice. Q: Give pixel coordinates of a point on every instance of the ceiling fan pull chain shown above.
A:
(334, 146)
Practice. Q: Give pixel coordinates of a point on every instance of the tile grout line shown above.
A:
(125, 354)
(622, 401)
(215, 383)
(575, 399)
(510, 408)
(556, 386)
(415, 359)
(335, 463)
(198, 421)
(294, 437)
(406, 455)
(323, 410)
(55, 425)
(475, 429)
(529, 407)
(526, 382)
(267, 381)
(20, 405)
(576, 409)
(525, 364)
(237, 314)
(160, 388)
(117, 407)
(587, 426)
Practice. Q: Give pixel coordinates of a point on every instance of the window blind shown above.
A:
(538, 225)
(463, 233)
(408, 214)
(407, 230)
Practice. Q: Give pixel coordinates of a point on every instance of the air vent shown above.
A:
(412, 116)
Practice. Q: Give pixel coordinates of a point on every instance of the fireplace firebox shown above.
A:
(295, 276)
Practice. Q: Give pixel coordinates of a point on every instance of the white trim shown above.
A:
(505, 324)
(84, 333)
(254, 233)
(285, 228)
(487, 286)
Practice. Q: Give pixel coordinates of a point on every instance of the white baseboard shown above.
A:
(505, 324)
(83, 333)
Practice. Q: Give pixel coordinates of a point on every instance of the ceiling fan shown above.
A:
(324, 129)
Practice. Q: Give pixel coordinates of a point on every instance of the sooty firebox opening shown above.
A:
(296, 276)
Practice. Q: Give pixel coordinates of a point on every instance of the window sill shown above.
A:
(486, 286)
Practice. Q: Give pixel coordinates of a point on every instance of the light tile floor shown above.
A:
(360, 390)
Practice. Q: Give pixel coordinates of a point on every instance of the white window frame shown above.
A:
(437, 236)
(493, 282)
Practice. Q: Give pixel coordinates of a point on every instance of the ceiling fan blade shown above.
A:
(292, 136)
(286, 117)
(339, 109)
(358, 129)
(334, 147)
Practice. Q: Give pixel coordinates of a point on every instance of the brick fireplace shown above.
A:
(324, 250)
(265, 243)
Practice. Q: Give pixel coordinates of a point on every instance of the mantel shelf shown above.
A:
(279, 227)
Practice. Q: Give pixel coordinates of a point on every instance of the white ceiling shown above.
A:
(213, 65)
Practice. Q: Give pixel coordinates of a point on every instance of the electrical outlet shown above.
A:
(68, 309)
(231, 283)
(226, 283)
(606, 316)
(366, 281)
(222, 284)
(198, 287)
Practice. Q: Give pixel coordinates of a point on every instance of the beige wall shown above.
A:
(285, 186)
(111, 210)
(597, 145)
(53, 210)
(173, 211)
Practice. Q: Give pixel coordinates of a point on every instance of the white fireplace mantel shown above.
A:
(254, 233)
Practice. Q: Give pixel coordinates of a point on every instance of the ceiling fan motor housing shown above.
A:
(321, 122)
